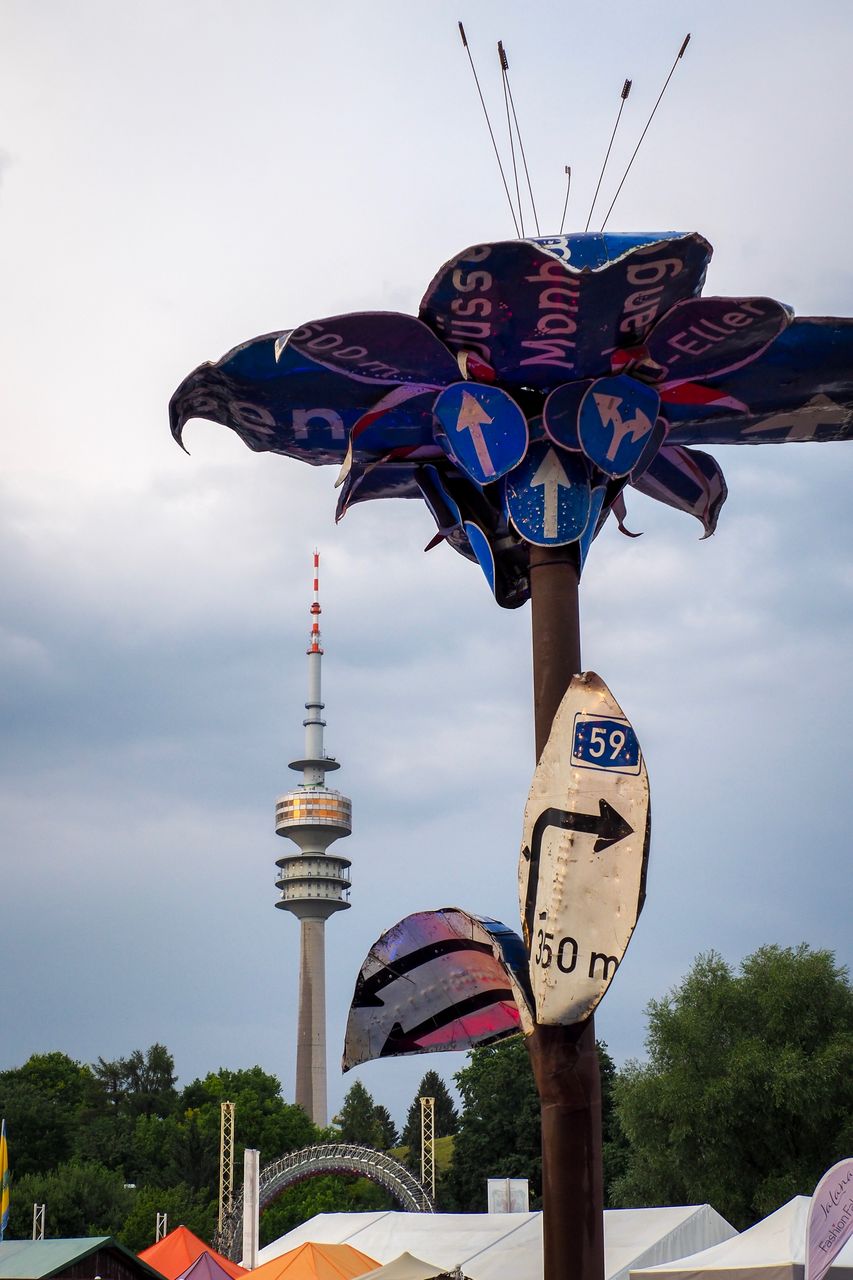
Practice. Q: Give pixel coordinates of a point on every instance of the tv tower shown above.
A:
(314, 883)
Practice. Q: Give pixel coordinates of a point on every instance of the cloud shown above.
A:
(155, 606)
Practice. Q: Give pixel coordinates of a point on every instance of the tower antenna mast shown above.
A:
(314, 884)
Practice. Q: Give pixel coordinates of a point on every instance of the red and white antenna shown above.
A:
(314, 646)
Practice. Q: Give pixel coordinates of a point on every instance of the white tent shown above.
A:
(508, 1246)
(774, 1249)
(405, 1268)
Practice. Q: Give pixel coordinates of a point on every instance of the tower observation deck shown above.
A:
(314, 884)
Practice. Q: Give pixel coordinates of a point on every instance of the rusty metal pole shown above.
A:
(564, 1059)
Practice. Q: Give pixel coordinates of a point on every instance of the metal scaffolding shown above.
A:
(428, 1145)
(226, 1162)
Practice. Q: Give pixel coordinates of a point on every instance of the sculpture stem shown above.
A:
(564, 1059)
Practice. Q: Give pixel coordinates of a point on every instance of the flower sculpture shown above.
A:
(540, 378)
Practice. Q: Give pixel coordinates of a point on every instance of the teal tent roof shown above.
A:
(40, 1259)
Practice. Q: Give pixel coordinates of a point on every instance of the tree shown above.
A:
(615, 1146)
(388, 1136)
(747, 1096)
(357, 1119)
(326, 1194)
(499, 1134)
(264, 1121)
(182, 1206)
(41, 1102)
(142, 1084)
(80, 1200)
(446, 1116)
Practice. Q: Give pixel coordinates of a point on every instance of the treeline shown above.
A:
(745, 1099)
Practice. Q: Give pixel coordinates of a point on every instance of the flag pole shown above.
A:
(4, 1180)
(564, 1059)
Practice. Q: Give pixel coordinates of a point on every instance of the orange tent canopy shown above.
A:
(179, 1249)
(317, 1262)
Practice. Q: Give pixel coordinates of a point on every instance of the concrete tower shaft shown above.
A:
(314, 884)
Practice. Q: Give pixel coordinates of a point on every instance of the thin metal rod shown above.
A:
(626, 89)
(503, 61)
(568, 189)
(505, 64)
(489, 124)
(679, 56)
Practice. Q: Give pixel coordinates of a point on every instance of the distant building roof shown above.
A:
(41, 1259)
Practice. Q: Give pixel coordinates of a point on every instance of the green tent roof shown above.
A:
(39, 1259)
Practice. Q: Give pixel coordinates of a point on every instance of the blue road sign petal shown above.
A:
(485, 556)
(482, 430)
(594, 523)
(616, 419)
(548, 496)
(552, 312)
(561, 412)
(705, 337)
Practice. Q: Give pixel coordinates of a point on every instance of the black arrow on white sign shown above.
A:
(608, 825)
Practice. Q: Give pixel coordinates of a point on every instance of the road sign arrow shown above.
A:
(550, 474)
(367, 988)
(803, 423)
(399, 1041)
(608, 410)
(609, 826)
(473, 417)
(580, 894)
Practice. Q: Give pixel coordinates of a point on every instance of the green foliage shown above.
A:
(80, 1200)
(265, 1122)
(499, 1131)
(747, 1097)
(388, 1136)
(360, 1120)
(446, 1117)
(42, 1102)
(444, 1152)
(182, 1206)
(615, 1147)
(327, 1194)
(357, 1120)
(143, 1084)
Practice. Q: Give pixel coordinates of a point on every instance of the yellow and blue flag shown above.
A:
(4, 1180)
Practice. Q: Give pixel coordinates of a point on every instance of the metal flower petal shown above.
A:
(542, 377)
(543, 312)
(438, 980)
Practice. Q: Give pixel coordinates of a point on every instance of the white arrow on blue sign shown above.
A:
(547, 496)
(481, 429)
(615, 420)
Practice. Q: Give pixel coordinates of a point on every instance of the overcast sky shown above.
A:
(178, 178)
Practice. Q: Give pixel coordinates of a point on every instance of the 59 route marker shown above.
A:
(582, 870)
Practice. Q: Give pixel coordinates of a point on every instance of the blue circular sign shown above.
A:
(481, 429)
(616, 417)
(548, 497)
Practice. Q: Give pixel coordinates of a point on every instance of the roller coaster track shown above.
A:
(312, 1162)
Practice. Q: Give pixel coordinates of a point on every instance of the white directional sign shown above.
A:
(582, 871)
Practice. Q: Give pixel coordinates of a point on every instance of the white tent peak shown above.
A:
(773, 1249)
